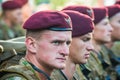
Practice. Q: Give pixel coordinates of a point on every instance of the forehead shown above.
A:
(56, 34)
(85, 35)
(104, 20)
(116, 16)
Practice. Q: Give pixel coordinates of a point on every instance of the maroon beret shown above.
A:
(117, 2)
(21, 2)
(82, 24)
(112, 10)
(52, 20)
(82, 9)
(99, 14)
(9, 5)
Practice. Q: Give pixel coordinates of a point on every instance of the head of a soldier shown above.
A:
(102, 30)
(82, 9)
(12, 12)
(48, 38)
(114, 18)
(81, 37)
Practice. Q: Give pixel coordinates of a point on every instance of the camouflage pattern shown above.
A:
(59, 75)
(8, 33)
(116, 48)
(23, 71)
(78, 75)
(110, 69)
(97, 71)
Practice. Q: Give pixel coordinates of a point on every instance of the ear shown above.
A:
(30, 44)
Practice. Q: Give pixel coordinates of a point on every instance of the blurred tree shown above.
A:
(37, 2)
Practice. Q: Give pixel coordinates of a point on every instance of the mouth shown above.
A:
(87, 56)
(61, 59)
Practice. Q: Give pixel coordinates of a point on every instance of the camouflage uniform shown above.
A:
(8, 33)
(59, 75)
(24, 71)
(97, 71)
(111, 58)
(116, 48)
(79, 73)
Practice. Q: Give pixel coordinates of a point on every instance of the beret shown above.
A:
(112, 10)
(53, 20)
(117, 2)
(10, 5)
(81, 23)
(99, 14)
(82, 9)
(21, 2)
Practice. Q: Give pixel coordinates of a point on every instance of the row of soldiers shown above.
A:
(72, 44)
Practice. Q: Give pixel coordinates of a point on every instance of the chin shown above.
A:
(84, 62)
(62, 66)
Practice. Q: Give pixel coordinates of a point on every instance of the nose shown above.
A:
(64, 50)
(90, 46)
(110, 28)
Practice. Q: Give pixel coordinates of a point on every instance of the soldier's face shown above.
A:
(115, 23)
(102, 31)
(15, 16)
(52, 49)
(80, 49)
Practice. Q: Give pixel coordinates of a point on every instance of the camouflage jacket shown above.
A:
(97, 71)
(79, 74)
(116, 48)
(8, 33)
(24, 71)
(59, 75)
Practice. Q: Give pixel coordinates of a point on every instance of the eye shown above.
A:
(57, 42)
(105, 23)
(118, 21)
(68, 43)
(86, 39)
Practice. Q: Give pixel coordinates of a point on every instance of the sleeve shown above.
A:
(13, 77)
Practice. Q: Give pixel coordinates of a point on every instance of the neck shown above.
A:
(69, 69)
(109, 45)
(97, 45)
(45, 69)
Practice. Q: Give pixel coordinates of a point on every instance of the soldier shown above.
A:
(82, 70)
(114, 14)
(82, 9)
(27, 9)
(48, 37)
(101, 35)
(11, 20)
(80, 47)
